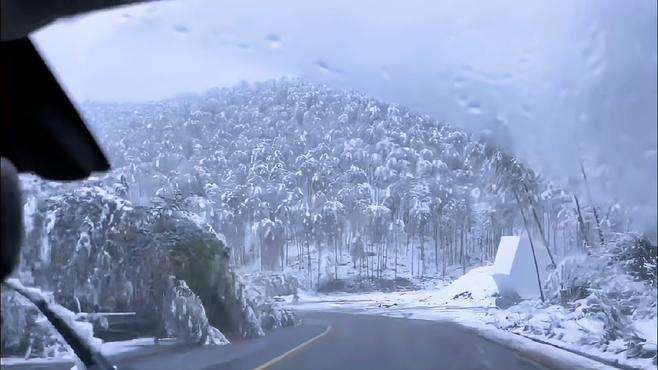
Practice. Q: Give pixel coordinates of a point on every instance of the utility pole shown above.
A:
(532, 247)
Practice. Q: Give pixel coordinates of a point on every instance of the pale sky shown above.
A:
(555, 78)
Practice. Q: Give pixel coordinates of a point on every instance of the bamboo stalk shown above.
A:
(591, 202)
(541, 229)
(580, 220)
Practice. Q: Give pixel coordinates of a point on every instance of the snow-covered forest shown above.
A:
(286, 170)
(326, 185)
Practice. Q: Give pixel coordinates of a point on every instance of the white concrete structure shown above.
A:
(514, 269)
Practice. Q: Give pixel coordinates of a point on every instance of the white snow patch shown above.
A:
(647, 329)
(108, 349)
(475, 289)
(125, 346)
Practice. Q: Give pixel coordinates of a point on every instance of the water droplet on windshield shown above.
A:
(474, 107)
(325, 68)
(273, 41)
(458, 82)
(385, 74)
(181, 29)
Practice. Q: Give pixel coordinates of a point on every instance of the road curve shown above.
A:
(335, 341)
(382, 343)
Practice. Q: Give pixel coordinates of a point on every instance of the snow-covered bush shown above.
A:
(99, 253)
(570, 280)
(185, 318)
(273, 284)
(259, 314)
(360, 284)
(605, 299)
(637, 255)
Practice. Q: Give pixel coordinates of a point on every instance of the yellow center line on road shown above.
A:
(293, 351)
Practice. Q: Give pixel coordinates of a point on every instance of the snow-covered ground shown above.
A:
(107, 349)
(432, 277)
(470, 301)
(457, 295)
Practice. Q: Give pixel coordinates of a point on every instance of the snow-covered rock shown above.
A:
(185, 318)
(106, 255)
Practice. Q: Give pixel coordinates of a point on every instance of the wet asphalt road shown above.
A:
(352, 342)
(376, 342)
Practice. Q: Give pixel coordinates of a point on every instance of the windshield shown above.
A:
(371, 185)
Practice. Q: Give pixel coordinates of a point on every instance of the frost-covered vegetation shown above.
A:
(604, 299)
(594, 305)
(98, 255)
(330, 186)
(296, 174)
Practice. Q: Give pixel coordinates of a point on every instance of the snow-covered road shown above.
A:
(470, 302)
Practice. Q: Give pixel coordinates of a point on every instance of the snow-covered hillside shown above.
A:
(286, 169)
(332, 189)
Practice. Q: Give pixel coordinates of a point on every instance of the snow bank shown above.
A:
(475, 288)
